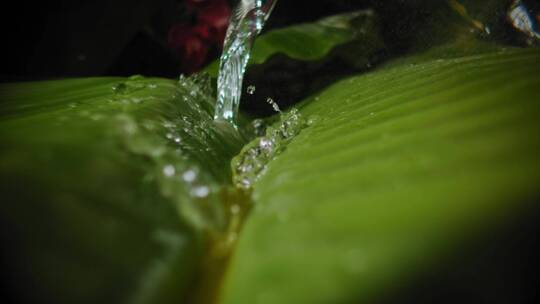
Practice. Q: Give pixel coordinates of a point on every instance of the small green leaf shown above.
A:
(311, 41)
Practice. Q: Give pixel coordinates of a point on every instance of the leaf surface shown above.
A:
(109, 187)
(399, 166)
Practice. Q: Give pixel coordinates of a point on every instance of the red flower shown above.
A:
(202, 30)
(191, 48)
(195, 4)
(216, 16)
(194, 42)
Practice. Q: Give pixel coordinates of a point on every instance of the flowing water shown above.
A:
(246, 23)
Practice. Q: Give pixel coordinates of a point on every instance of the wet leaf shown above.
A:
(398, 168)
(109, 188)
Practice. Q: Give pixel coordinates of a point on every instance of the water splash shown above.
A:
(246, 23)
(251, 163)
(274, 105)
(251, 90)
(175, 134)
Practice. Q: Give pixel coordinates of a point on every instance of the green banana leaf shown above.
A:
(110, 188)
(397, 169)
(121, 190)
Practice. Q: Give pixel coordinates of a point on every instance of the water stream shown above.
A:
(246, 23)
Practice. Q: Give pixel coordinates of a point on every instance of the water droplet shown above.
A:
(266, 143)
(169, 125)
(258, 127)
(189, 176)
(200, 191)
(251, 163)
(274, 105)
(169, 170)
(251, 89)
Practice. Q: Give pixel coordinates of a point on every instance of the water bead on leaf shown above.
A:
(169, 170)
(274, 105)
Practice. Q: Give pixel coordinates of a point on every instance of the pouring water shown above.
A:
(246, 23)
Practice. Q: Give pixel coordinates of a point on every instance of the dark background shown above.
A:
(56, 39)
(78, 38)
